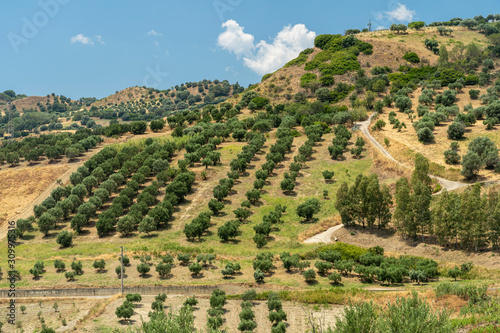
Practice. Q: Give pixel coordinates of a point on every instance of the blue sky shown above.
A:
(91, 48)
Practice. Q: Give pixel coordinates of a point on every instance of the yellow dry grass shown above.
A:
(320, 227)
(19, 187)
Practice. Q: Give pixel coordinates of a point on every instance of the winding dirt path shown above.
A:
(363, 126)
(326, 236)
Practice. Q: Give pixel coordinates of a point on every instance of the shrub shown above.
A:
(70, 276)
(195, 268)
(143, 269)
(474, 93)
(163, 269)
(425, 135)
(249, 295)
(456, 130)
(99, 265)
(411, 57)
(77, 267)
(451, 157)
(65, 238)
(258, 276)
(309, 275)
(328, 175)
(191, 301)
(59, 265)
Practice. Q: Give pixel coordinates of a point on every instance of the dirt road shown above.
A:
(364, 128)
(326, 236)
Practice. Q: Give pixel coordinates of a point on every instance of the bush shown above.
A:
(411, 57)
(335, 278)
(70, 276)
(99, 265)
(163, 269)
(328, 175)
(249, 295)
(134, 298)
(474, 93)
(451, 157)
(143, 269)
(347, 251)
(77, 267)
(456, 130)
(195, 268)
(65, 238)
(191, 301)
(308, 209)
(425, 135)
(309, 275)
(258, 276)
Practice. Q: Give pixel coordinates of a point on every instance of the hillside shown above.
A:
(208, 185)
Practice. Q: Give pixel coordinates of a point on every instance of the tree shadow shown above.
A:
(27, 237)
(200, 275)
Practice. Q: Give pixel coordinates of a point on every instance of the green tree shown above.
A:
(420, 203)
(65, 238)
(309, 275)
(157, 125)
(253, 196)
(78, 222)
(126, 225)
(228, 230)
(287, 185)
(308, 209)
(147, 225)
(403, 103)
(417, 25)
(402, 212)
(77, 267)
(215, 206)
(99, 265)
(143, 269)
(124, 311)
(138, 127)
(471, 164)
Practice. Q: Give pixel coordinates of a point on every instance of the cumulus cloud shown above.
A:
(81, 38)
(401, 13)
(235, 40)
(153, 32)
(265, 57)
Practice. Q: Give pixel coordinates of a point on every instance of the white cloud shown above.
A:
(155, 43)
(99, 39)
(266, 57)
(401, 13)
(235, 40)
(153, 32)
(81, 38)
(380, 27)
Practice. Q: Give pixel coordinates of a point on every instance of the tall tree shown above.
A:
(421, 172)
(494, 226)
(446, 217)
(420, 202)
(403, 206)
(343, 204)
